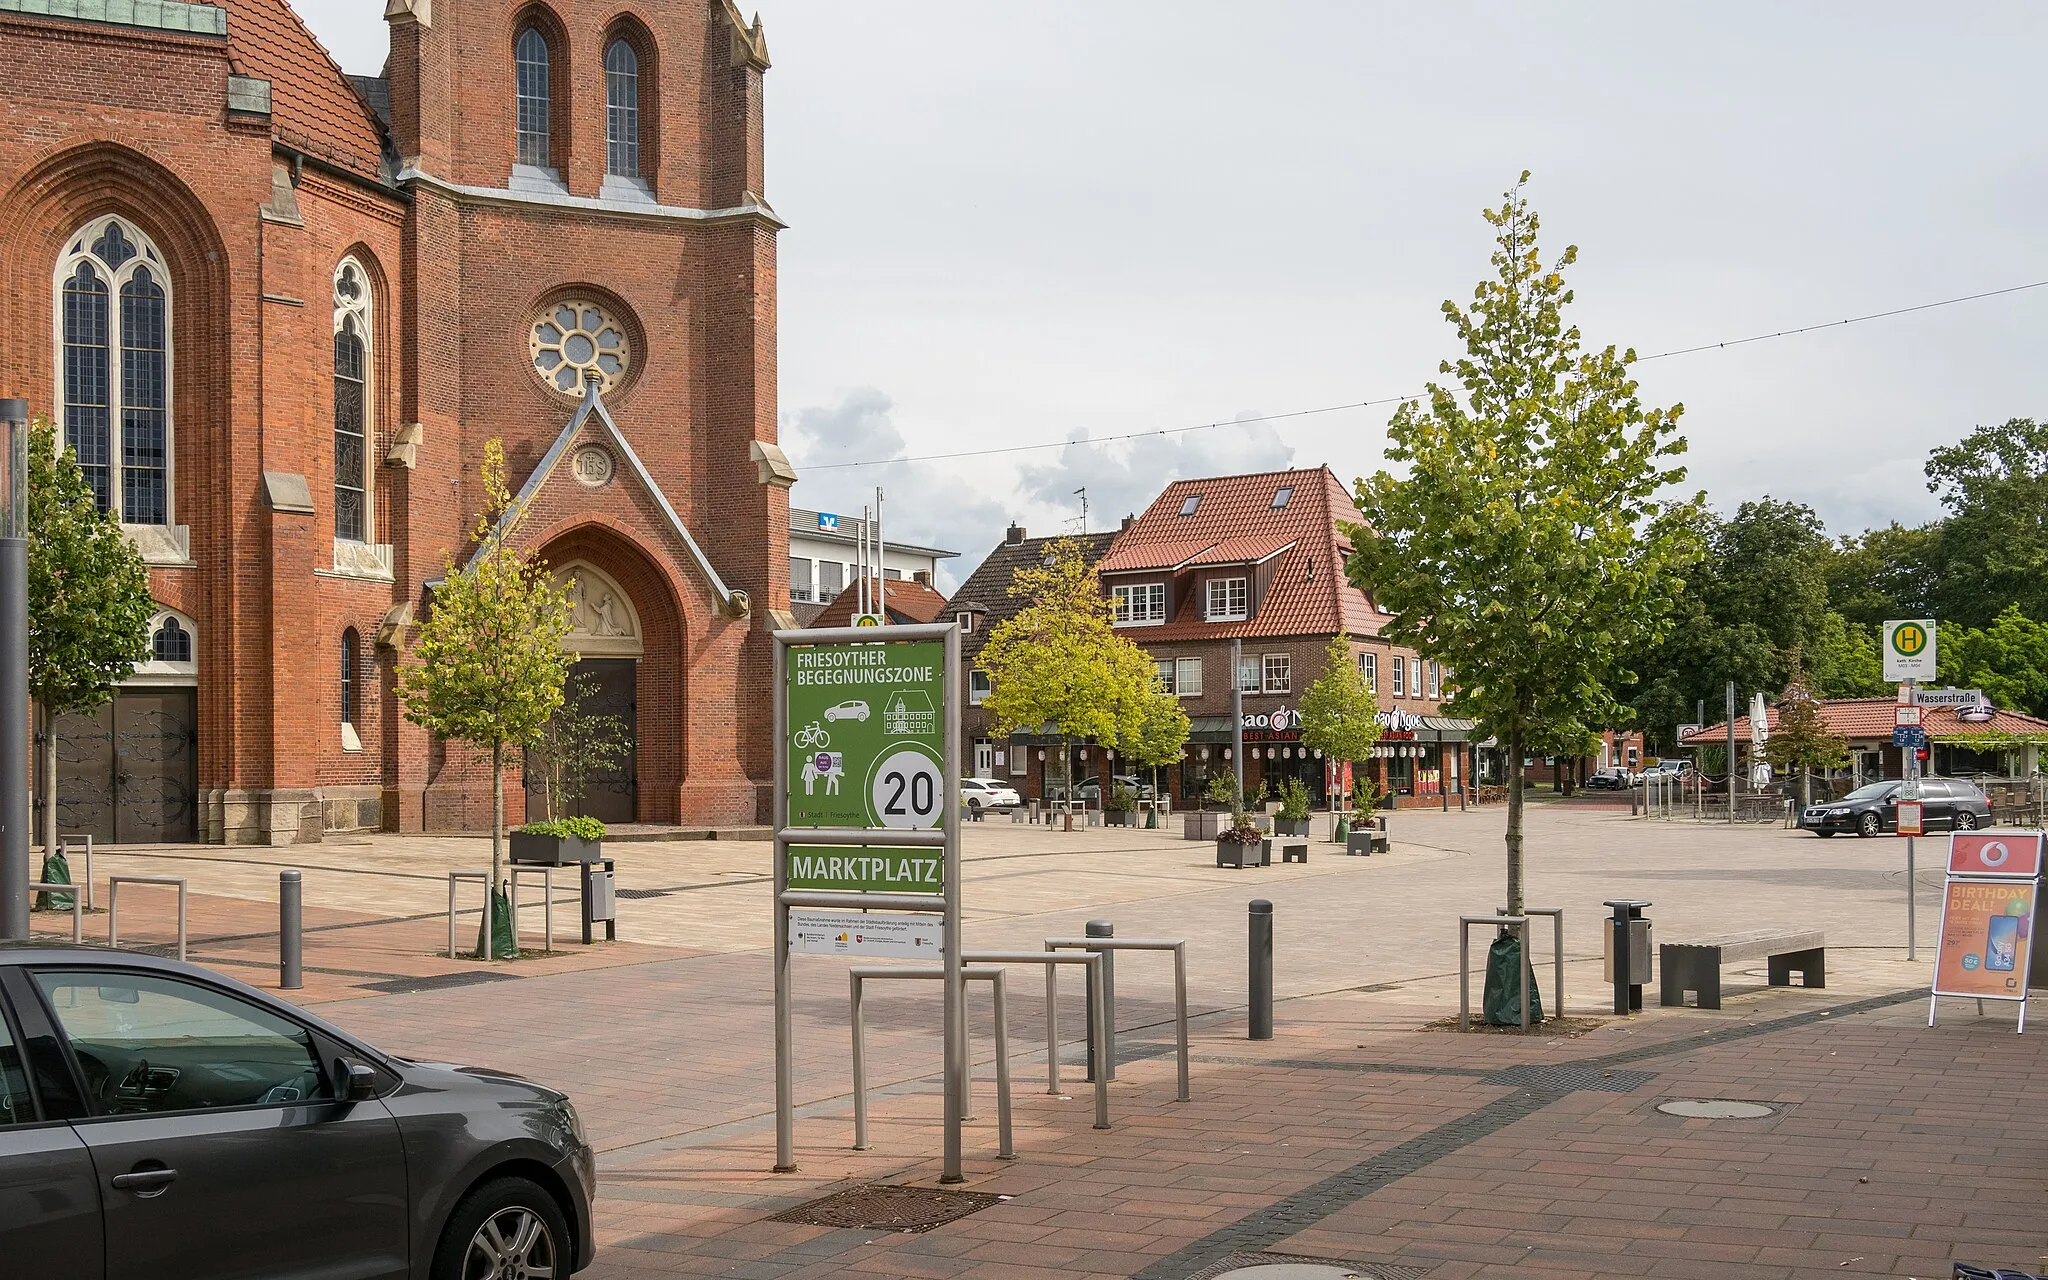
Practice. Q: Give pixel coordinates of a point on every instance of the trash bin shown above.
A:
(1628, 992)
(600, 899)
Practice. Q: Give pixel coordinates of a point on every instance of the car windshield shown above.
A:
(1872, 791)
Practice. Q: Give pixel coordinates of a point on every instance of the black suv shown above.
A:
(158, 1120)
(1872, 809)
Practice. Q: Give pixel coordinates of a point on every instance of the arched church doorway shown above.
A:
(606, 638)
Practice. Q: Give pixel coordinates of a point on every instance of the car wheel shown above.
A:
(508, 1229)
(974, 804)
(1869, 825)
(1965, 820)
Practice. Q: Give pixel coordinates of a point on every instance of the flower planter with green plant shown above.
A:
(1123, 803)
(559, 841)
(1292, 820)
(1242, 844)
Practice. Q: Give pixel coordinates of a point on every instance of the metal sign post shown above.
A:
(867, 787)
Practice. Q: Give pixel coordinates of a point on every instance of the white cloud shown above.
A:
(1123, 477)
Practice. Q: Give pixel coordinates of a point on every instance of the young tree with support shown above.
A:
(88, 603)
(1526, 542)
(1801, 739)
(1060, 663)
(490, 664)
(1340, 713)
(1155, 734)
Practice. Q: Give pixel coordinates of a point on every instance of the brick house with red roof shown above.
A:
(279, 311)
(1965, 738)
(1259, 559)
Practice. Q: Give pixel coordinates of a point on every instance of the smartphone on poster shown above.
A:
(2002, 946)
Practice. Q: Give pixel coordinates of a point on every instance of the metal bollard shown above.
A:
(291, 968)
(1104, 929)
(1261, 970)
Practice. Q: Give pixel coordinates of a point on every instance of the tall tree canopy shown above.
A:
(1993, 548)
(1528, 544)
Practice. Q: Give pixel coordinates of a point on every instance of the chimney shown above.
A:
(1127, 522)
(1015, 535)
(923, 577)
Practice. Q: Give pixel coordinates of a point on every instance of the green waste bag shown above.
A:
(56, 870)
(504, 947)
(1503, 1001)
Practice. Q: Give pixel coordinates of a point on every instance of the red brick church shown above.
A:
(279, 310)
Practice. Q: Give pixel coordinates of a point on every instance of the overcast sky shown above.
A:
(1013, 223)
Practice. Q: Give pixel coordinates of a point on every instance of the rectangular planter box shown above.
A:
(1233, 853)
(554, 851)
(1118, 818)
(1203, 825)
(1290, 826)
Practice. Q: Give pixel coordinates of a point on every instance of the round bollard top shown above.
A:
(1101, 929)
(1261, 907)
(288, 875)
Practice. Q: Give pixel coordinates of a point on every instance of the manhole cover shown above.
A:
(881, 1207)
(1283, 1266)
(1715, 1109)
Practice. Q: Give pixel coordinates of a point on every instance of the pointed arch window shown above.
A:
(622, 110)
(171, 643)
(349, 643)
(113, 304)
(353, 427)
(530, 66)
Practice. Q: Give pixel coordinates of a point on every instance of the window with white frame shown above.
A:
(1369, 667)
(1250, 673)
(621, 110)
(978, 687)
(113, 303)
(1141, 604)
(1436, 681)
(831, 579)
(1163, 672)
(1229, 600)
(1279, 670)
(1188, 677)
(353, 417)
(966, 619)
(799, 579)
(1400, 669)
(530, 57)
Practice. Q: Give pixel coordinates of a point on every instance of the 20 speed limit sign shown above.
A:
(907, 789)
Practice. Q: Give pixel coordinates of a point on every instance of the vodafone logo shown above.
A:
(1993, 853)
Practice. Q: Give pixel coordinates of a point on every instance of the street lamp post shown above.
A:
(14, 869)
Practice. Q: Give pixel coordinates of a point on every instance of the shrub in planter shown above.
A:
(1123, 802)
(1241, 843)
(1221, 793)
(559, 840)
(1292, 820)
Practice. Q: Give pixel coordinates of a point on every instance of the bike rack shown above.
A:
(77, 905)
(1098, 1013)
(547, 879)
(1180, 989)
(114, 884)
(64, 846)
(991, 974)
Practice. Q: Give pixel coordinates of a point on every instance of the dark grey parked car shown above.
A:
(158, 1120)
(1873, 808)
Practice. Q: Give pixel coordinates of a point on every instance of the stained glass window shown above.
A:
(351, 402)
(114, 319)
(622, 110)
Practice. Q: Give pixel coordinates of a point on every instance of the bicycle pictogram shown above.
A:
(812, 736)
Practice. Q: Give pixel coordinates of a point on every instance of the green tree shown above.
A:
(1527, 546)
(490, 664)
(1340, 715)
(1059, 663)
(1156, 732)
(1802, 740)
(2008, 660)
(1885, 573)
(1994, 543)
(88, 602)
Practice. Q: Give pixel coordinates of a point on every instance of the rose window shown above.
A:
(577, 341)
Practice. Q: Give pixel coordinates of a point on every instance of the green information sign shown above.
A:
(866, 735)
(867, 870)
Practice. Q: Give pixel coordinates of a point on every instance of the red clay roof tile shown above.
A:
(1864, 719)
(313, 107)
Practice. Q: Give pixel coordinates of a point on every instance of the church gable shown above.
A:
(314, 107)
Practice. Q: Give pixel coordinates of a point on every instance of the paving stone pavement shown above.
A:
(1355, 1135)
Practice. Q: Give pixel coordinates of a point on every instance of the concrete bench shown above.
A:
(1365, 842)
(1696, 966)
(1293, 851)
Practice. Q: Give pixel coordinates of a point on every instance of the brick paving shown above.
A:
(1356, 1135)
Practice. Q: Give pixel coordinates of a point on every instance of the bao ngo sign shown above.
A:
(866, 735)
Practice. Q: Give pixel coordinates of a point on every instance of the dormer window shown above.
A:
(1143, 604)
(1229, 600)
(966, 621)
(1280, 498)
(1188, 508)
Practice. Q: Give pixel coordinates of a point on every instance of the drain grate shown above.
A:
(438, 982)
(641, 893)
(883, 1207)
(1569, 1077)
(1285, 1266)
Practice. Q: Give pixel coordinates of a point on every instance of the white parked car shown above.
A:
(987, 793)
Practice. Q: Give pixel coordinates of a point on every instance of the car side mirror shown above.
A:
(358, 1080)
